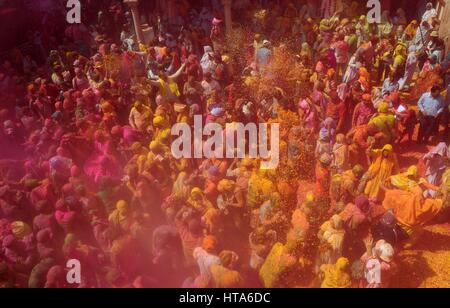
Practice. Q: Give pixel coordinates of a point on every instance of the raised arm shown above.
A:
(154, 83)
(178, 73)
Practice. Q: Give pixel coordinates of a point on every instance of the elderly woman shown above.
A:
(386, 26)
(331, 235)
(198, 201)
(260, 242)
(206, 256)
(436, 162)
(231, 202)
(410, 68)
(308, 113)
(336, 276)
(380, 257)
(384, 120)
(340, 155)
(363, 111)
(282, 263)
(225, 274)
(122, 217)
(384, 164)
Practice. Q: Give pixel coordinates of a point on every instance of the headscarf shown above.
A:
(206, 62)
(411, 29)
(334, 233)
(20, 229)
(388, 219)
(336, 275)
(210, 243)
(325, 159)
(306, 51)
(441, 149)
(364, 78)
(228, 258)
(384, 251)
(362, 203)
(383, 107)
(386, 26)
(406, 181)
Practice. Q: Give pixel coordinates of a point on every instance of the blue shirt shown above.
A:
(431, 106)
(263, 56)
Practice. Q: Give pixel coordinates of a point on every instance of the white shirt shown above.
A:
(429, 14)
(205, 260)
(210, 87)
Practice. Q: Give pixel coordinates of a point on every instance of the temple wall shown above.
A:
(444, 14)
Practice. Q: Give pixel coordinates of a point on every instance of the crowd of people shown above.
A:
(87, 171)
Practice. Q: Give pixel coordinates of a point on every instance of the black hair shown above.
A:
(435, 88)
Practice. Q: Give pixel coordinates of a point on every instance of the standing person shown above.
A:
(206, 257)
(431, 106)
(342, 49)
(263, 55)
(281, 264)
(217, 35)
(323, 176)
(384, 120)
(383, 255)
(167, 85)
(410, 69)
(340, 155)
(384, 164)
(225, 274)
(430, 13)
(363, 111)
(436, 162)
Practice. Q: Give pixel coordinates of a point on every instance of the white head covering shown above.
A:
(386, 252)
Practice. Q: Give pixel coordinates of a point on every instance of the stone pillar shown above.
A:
(171, 9)
(228, 17)
(133, 5)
